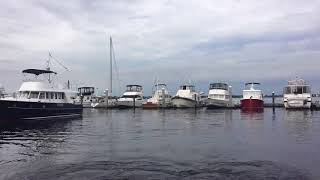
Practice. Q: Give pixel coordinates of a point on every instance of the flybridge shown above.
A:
(300, 82)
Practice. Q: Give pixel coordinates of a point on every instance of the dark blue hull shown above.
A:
(37, 110)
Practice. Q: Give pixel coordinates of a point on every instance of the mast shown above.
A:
(111, 48)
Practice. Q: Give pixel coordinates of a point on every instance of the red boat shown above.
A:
(252, 98)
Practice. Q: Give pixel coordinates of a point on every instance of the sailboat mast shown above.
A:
(110, 65)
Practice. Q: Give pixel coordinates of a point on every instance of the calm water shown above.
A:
(173, 144)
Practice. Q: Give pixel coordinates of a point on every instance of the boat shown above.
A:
(219, 96)
(2, 91)
(132, 97)
(297, 95)
(107, 101)
(252, 98)
(186, 97)
(160, 99)
(86, 96)
(40, 99)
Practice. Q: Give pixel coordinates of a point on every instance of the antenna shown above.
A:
(111, 48)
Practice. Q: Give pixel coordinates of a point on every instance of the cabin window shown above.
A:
(24, 94)
(297, 90)
(41, 95)
(47, 95)
(33, 95)
(287, 90)
(306, 89)
(55, 95)
(59, 95)
(62, 95)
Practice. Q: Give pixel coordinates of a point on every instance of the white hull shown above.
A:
(178, 102)
(86, 104)
(297, 104)
(129, 103)
(218, 103)
(111, 103)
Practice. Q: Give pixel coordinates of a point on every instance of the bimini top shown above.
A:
(37, 72)
(134, 85)
(297, 82)
(160, 85)
(252, 83)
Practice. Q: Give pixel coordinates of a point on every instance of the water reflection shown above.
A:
(252, 114)
(299, 124)
(21, 140)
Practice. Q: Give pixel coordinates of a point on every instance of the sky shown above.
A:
(177, 41)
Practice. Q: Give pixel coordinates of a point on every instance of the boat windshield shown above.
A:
(187, 87)
(222, 86)
(297, 89)
(134, 88)
(160, 86)
(251, 85)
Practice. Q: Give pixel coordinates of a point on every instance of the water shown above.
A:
(170, 144)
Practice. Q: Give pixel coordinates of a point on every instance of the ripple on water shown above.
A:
(162, 170)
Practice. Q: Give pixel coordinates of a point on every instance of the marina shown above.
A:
(159, 90)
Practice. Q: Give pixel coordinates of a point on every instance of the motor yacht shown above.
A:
(160, 99)
(297, 95)
(186, 97)
(219, 96)
(252, 97)
(132, 97)
(40, 99)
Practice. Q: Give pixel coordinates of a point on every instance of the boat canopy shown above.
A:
(134, 88)
(37, 72)
(297, 82)
(222, 86)
(252, 83)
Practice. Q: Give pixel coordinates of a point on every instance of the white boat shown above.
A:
(219, 96)
(132, 97)
(160, 99)
(86, 96)
(186, 97)
(297, 95)
(40, 99)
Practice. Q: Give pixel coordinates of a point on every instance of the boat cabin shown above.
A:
(297, 86)
(134, 88)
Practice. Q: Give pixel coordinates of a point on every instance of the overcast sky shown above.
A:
(177, 41)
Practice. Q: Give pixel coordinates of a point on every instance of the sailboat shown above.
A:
(107, 101)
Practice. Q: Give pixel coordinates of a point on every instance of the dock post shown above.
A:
(107, 98)
(134, 102)
(273, 99)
